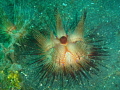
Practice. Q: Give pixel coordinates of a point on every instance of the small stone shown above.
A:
(64, 4)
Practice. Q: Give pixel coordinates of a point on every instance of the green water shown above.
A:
(20, 52)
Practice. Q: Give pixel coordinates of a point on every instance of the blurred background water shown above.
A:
(103, 17)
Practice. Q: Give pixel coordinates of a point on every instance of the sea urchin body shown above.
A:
(66, 58)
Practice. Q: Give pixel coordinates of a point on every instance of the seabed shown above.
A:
(59, 45)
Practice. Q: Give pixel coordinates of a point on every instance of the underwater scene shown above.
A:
(59, 45)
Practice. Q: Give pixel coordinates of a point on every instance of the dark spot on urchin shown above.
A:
(63, 40)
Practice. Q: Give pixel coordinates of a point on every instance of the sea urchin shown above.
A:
(66, 59)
